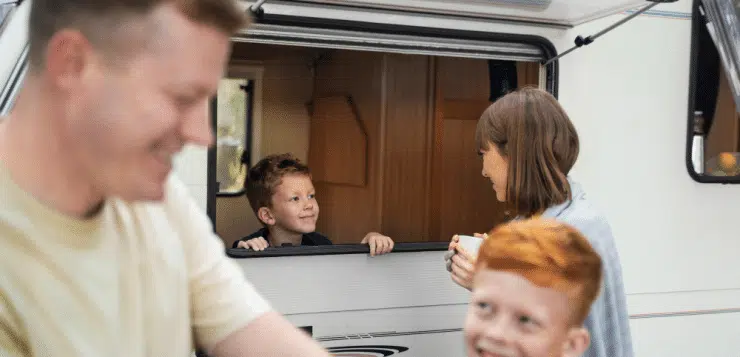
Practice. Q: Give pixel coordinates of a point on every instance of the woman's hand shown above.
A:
(379, 244)
(256, 244)
(460, 263)
(462, 268)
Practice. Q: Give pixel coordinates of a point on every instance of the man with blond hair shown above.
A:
(104, 252)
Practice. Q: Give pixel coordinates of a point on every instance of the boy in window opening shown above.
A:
(283, 198)
(534, 283)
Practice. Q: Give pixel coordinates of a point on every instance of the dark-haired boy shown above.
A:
(282, 195)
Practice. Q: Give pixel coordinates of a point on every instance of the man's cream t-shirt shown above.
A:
(139, 280)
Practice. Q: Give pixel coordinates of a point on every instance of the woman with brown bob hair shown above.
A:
(529, 146)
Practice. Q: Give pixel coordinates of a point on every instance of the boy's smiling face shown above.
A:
(511, 317)
(294, 207)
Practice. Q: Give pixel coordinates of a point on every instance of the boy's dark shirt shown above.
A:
(312, 238)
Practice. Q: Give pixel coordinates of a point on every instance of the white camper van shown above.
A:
(381, 99)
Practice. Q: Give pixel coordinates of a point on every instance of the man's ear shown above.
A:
(576, 342)
(68, 53)
(265, 215)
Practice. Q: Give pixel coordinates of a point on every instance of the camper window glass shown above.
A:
(234, 102)
(387, 138)
(4, 12)
(713, 149)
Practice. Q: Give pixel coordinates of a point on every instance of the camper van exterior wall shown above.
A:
(627, 94)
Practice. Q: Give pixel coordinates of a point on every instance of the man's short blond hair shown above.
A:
(100, 19)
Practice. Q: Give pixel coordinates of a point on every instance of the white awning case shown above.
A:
(389, 43)
(552, 12)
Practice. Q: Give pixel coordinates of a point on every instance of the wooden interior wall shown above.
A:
(464, 201)
(338, 150)
(287, 86)
(419, 114)
(408, 143)
(349, 212)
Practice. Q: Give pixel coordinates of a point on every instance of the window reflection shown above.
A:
(234, 98)
(4, 12)
(715, 126)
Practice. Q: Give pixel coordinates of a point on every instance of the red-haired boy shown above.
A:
(534, 283)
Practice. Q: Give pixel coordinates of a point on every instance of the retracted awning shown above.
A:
(389, 43)
(552, 12)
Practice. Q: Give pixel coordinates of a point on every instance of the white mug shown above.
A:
(470, 244)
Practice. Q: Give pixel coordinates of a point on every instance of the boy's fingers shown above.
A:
(381, 247)
(373, 245)
(387, 245)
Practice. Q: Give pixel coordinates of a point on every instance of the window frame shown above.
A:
(697, 22)
(550, 82)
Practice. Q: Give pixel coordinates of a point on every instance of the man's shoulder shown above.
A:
(174, 218)
(177, 204)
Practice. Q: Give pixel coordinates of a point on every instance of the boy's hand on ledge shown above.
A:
(379, 244)
(256, 244)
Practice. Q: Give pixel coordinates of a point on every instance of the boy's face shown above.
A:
(294, 206)
(511, 317)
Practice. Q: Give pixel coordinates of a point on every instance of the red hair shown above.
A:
(549, 254)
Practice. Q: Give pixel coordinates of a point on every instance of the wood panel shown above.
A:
(463, 201)
(467, 201)
(338, 143)
(348, 213)
(462, 78)
(423, 179)
(408, 148)
(528, 74)
(235, 219)
(287, 86)
(463, 109)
